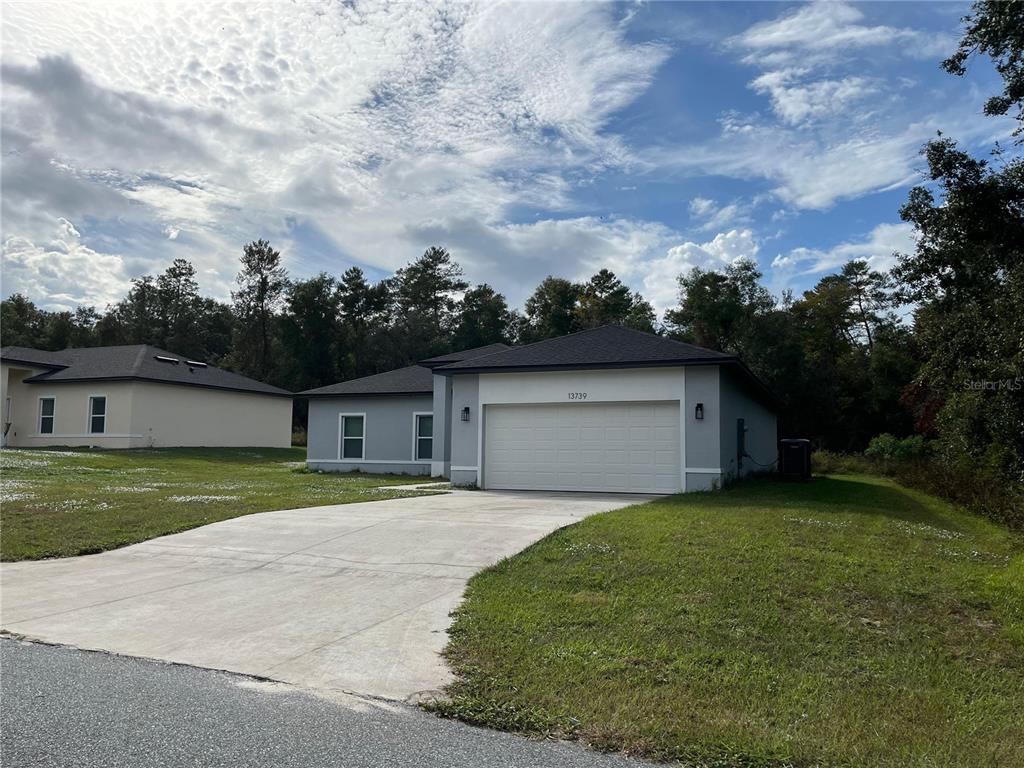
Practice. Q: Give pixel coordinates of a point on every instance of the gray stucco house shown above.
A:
(608, 409)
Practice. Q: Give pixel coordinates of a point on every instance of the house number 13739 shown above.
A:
(577, 395)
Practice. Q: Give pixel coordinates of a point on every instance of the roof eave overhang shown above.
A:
(588, 366)
(327, 395)
(33, 364)
(44, 379)
(759, 387)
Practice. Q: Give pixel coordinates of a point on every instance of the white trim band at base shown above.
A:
(93, 436)
(367, 461)
(703, 470)
(464, 469)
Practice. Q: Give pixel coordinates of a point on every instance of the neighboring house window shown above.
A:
(424, 436)
(352, 435)
(46, 410)
(97, 415)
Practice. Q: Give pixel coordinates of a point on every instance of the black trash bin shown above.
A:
(795, 459)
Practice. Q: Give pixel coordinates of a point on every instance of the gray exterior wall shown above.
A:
(388, 434)
(441, 463)
(703, 437)
(465, 435)
(710, 443)
(762, 431)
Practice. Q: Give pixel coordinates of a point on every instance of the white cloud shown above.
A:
(660, 282)
(797, 102)
(838, 128)
(64, 271)
(521, 255)
(711, 216)
(700, 207)
(809, 171)
(824, 30)
(200, 126)
(877, 248)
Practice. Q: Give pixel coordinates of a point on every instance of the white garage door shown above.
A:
(623, 447)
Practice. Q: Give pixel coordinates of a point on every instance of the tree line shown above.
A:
(838, 357)
(304, 333)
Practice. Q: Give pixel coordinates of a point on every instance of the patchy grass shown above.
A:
(56, 503)
(983, 492)
(845, 621)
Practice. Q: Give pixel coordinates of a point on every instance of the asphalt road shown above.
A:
(64, 707)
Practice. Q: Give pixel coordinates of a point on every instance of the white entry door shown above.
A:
(612, 447)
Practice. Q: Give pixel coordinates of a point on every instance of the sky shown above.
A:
(528, 139)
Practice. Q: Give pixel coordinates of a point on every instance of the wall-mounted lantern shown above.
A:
(698, 412)
(465, 413)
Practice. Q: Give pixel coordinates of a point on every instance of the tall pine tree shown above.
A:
(261, 286)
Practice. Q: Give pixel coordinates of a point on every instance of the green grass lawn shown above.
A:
(845, 621)
(55, 503)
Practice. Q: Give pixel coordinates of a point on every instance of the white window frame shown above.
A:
(89, 414)
(416, 436)
(53, 418)
(341, 436)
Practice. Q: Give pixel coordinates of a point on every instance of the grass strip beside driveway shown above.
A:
(58, 503)
(846, 621)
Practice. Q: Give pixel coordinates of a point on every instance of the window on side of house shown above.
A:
(424, 436)
(353, 433)
(97, 415)
(47, 409)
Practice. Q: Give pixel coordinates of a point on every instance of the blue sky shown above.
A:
(529, 139)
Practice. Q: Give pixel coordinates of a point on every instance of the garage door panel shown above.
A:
(640, 411)
(641, 458)
(665, 458)
(615, 456)
(615, 435)
(584, 446)
(664, 434)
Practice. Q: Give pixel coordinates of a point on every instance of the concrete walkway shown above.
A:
(352, 597)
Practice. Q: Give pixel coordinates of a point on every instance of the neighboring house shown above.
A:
(385, 422)
(135, 396)
(609, 409)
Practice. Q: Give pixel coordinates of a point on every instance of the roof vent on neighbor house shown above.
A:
(195, 364)
(166, 359)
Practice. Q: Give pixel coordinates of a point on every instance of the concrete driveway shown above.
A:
(353, 597)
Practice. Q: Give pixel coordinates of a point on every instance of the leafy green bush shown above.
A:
(892, 448)
(831, 463)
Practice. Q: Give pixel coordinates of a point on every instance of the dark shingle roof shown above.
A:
(414, 380)
(133, 362)
(36, 357)
(610, 346)
(466, 354)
